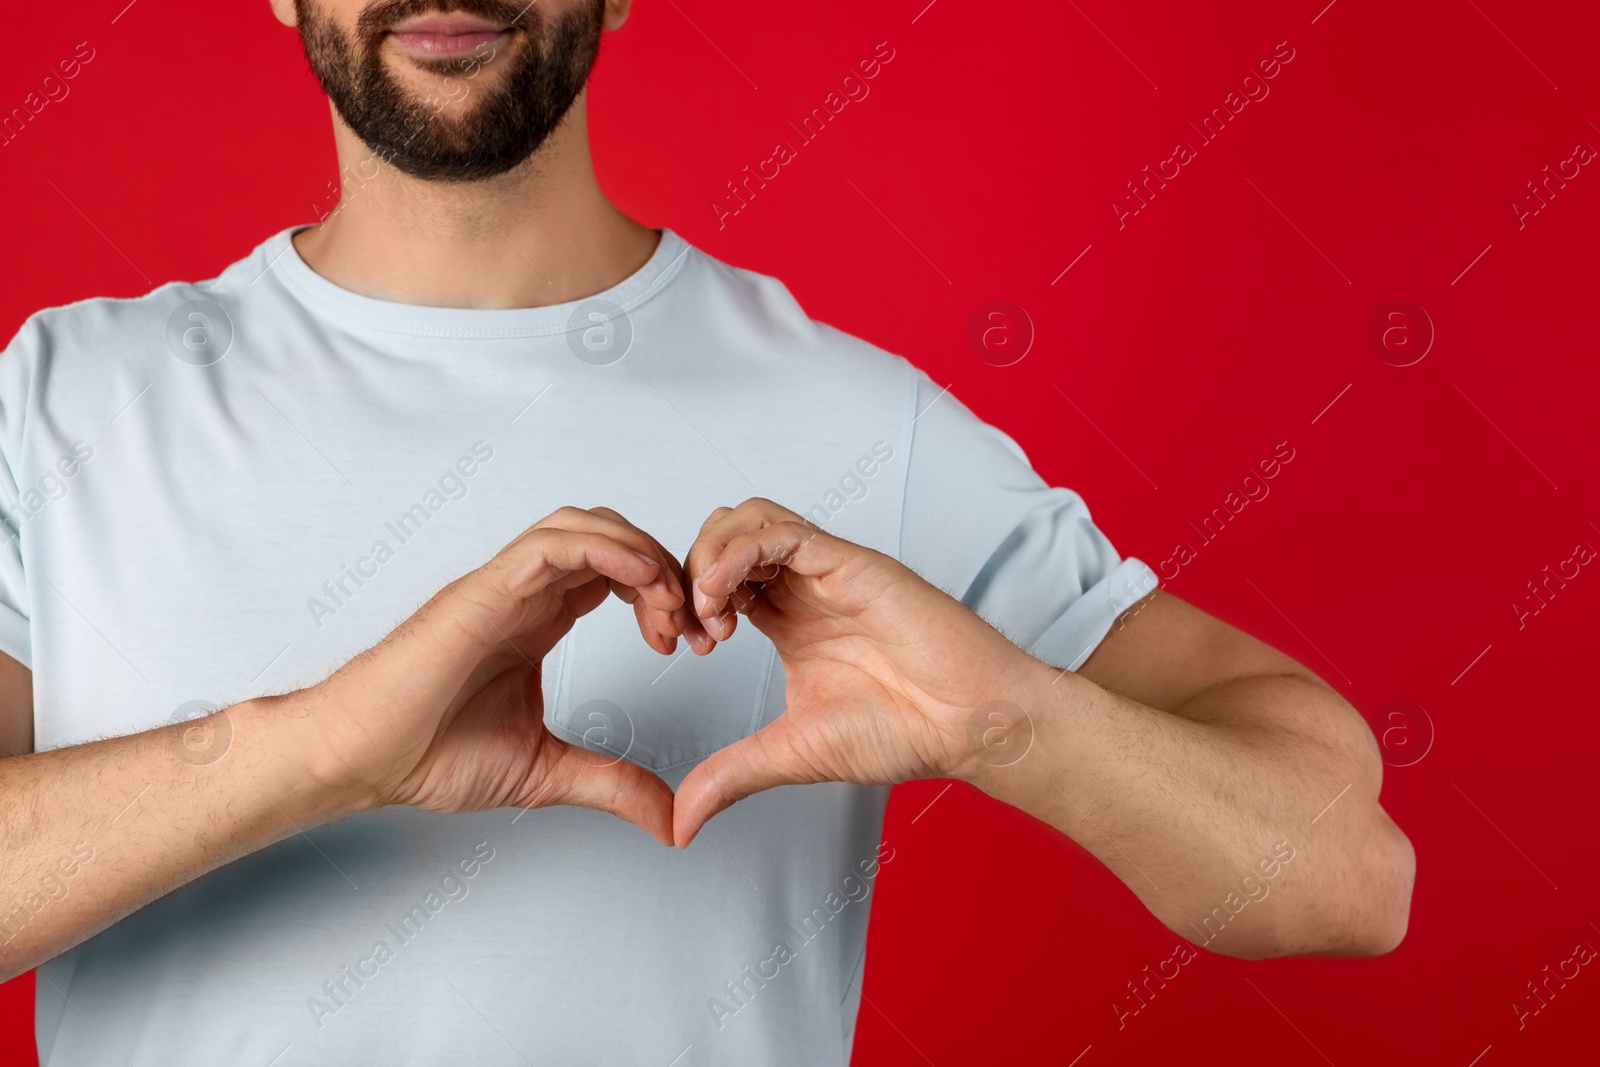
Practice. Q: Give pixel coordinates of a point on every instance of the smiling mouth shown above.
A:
(446, 36)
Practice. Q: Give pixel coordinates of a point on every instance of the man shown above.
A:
(270, 811)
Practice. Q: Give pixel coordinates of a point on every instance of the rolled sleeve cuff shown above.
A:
(1080, 629)
(16, 636)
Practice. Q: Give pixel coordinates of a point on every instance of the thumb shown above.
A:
(765, 759)
(628, 791)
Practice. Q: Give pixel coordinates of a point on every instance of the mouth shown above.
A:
(447, 35)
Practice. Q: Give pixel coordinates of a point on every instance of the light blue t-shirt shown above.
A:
(230, 488)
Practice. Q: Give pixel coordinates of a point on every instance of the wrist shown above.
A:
(1009, 735)
(285, 741)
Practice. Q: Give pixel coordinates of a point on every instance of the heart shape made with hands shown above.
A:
(883, 669)
(883, 672)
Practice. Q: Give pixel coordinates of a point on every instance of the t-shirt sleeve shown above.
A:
(15, 631)
(982, 525)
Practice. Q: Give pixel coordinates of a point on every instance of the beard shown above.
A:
(467, 130)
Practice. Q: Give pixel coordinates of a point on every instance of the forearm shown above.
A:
(1195, 811)
(95, 831)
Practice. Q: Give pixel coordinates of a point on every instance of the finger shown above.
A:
(720, 526)
(500, 599)
(721, 626)
(761, 761)
(657, 628)
(753, 555)
(624, 789)
(623, 530)
(756, 557)
(530, 645)
(668, 625)
(660, 621)
(742, 601)
(724, 522)
(680, 621)
(492, 606)
(725, 525)
(606, 522)
(655, 625)
(714, 532)
(694, 631)
(552, 554)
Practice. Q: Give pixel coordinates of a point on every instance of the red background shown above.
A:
(1222, 319)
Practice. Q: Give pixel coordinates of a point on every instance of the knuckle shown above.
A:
(561, 518)
(532, 542)
(458, 610)
(803, 532)
(519, 539)
(509, 571)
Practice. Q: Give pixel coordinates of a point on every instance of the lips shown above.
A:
(447, 34)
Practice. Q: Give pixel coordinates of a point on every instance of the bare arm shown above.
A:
(1230, 788)
(16, 708)
(95, 831)
(1225, 784)
(446, 714)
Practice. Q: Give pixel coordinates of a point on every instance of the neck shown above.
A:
(542, 233)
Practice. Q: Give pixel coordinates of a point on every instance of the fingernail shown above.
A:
(709, 571)
(647, 559)
(680, 619)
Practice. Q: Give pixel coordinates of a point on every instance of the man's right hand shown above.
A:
(447, 712)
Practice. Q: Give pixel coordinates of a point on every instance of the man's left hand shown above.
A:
(884, 670)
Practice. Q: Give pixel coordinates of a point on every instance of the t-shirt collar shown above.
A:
(351, 308)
